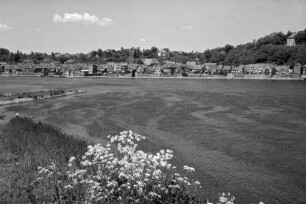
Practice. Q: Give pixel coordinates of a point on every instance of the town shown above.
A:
(275, 56)
(152, 67)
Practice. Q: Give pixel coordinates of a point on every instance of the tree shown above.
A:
(301, 37)
(154, 51)
(274, 39)
(207, 55)
(166, 49)
(93, 53)
(38, 56)
(228, 48)
(82, 57)
(16, 57)
(109, 54)
(288, 33)
(53, 56)
(4, 52)
(137, 53)
(99, 53)
(62, 58)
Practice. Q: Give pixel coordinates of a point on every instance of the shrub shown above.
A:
(118, 173)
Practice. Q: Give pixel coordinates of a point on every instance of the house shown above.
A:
(163, 53)
(2, 66)
(297, 69)
(291, 39)
(133, 66)
(179, 64)
(249, 69)
(140, 69)
(111, 66)
(170, 68)
(235, 69)
(93, 69)
(84, 72)
(121, 67)
(227, 69)
(57, 64)
(66, 54)
(157, 69)
(65, 67)
(260, 68)
(115, 67)
(47, 63)
(27, 65)
(168, 62)
(102, 68)
(39, 71)
(57, 55)
(219, 69)
(150, 61)
(12, 68)
(282, 69)
(70, 61)
(76, 69)
(186, 69)
(304, 71)
(27, 62)
(238, 69)
(193, 63)
(196, 68)
(210, 68)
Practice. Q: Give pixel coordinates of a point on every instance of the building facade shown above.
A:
(291, 40)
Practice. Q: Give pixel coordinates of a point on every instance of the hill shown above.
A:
(268, 49)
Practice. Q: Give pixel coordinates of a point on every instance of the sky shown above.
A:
(80, 26)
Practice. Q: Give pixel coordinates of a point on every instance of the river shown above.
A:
(246, 137)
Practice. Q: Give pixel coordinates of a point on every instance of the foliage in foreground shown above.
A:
(118, 173)
(47, 166)
(25, 145)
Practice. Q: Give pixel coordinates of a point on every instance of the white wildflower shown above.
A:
(189, 169)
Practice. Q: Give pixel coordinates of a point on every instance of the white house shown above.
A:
(291, 39)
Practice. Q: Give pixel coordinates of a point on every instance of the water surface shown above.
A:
(243, 137)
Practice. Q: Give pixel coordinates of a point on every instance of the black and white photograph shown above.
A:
(152, 101)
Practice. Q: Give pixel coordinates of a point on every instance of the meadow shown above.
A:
(243, 137)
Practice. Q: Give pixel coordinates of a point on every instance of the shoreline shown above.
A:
(17, 100)
(180, 77)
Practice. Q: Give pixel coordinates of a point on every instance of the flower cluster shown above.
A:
(110, 172)
(226, 198)
(119, 173)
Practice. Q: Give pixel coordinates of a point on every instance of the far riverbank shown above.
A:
(152, 76)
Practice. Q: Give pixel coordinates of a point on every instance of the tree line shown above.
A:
(110, 55)
(268, 49)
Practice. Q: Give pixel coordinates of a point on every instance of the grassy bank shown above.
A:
(25, 145)
(40, 164)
